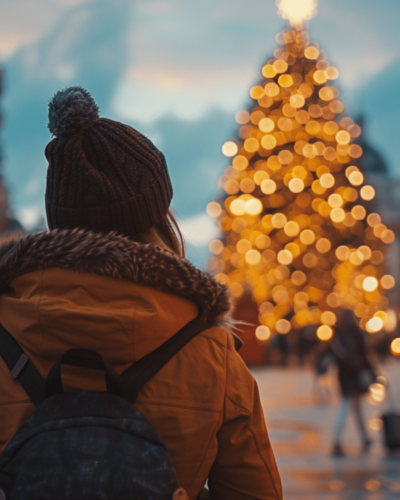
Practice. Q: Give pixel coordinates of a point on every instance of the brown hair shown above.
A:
(165, 234)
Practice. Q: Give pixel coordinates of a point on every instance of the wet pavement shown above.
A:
(301, 420)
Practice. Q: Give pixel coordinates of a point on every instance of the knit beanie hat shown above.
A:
(102, 175)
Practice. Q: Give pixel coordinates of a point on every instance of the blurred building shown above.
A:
(386, 203)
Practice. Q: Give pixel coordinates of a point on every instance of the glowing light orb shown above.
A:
(324, 332)
(229, 149)
(297, 11)
(214, 209)
(297, 101)
(266, 125)
(283, 326)
(253, 257)
(216, 247)
(395, 347)
(268, 141)
(242, 117)
(268, 186)
(253, 206)
(370, 284)
(327, 181)
(367, 193)
(307, 237)
(328, 318)
(263, 333)
(387, 282)
(374, 325)
(296, 185)
(285, 257)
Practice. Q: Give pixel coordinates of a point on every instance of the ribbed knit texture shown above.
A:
(107, 177)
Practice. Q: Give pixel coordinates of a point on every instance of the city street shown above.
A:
(301, 423)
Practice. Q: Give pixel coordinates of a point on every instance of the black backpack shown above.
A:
(88, 445)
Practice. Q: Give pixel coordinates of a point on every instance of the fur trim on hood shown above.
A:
(118, 257)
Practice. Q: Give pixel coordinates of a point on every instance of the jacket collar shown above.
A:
(118, 257)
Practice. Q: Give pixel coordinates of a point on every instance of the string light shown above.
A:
(296, 231)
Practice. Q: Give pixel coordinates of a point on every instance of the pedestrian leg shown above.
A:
(357, 410)
(340, 423)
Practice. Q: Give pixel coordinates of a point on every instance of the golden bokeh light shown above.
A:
(280, 66)
(216, 246)
(387, 282)
(356, 178)
(296, 185)
(253, 206)
(343, 252)
(268, 186)
(266, 125)
(323, 245)
(242, 117)
(229, 148)
(243, 246)
(283, 326)
(335, 200)
(395, 347)
(263, 333)
(285, 257)
(292, 228)
(298, 278)
(268, 71)
(293, 237)
(268, 141)
(324, 332)
(370, 284)
(374, 325)
(337, 215)
(328, 318)
(253, 257)
(279, 220)
(247, 185)
(238, 207)
(251, 144)
(297, 101)
(240, 162)
(373, 220)
(214, 209)
(311, 53)
(260, 176)
(271, 89)
(327, 181)
(307, 237)
(367, 193)
(256, 92)
(332, 73)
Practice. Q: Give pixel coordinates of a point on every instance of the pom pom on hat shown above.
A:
(70, 111)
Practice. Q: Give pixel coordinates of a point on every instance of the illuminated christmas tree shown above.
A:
(296, 230)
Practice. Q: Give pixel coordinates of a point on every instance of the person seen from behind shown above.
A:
(111, 275)
(355, 374)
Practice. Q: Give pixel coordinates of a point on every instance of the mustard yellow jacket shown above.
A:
(65, 289)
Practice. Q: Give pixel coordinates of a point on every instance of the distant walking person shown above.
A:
(355, 375)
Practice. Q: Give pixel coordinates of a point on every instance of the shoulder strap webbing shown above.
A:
(21, 368)
(133, 378)
(138, 374)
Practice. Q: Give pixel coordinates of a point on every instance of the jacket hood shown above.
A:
(115, 256)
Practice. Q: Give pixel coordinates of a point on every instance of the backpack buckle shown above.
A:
(19, 365)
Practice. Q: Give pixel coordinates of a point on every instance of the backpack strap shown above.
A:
(133, 378)
(138, 374)
(21, 368)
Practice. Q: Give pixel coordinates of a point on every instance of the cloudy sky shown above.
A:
(178, 70)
